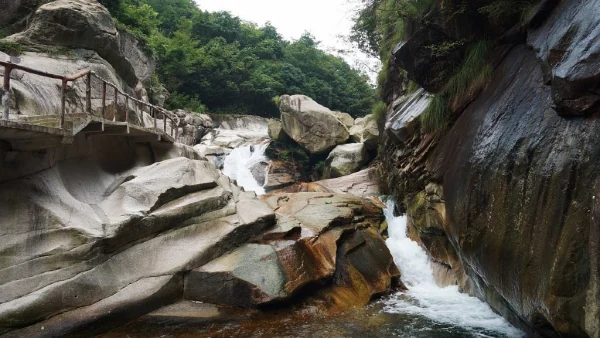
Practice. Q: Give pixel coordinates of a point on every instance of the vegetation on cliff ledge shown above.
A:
(218, 61)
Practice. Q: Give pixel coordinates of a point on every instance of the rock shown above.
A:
(282, 174)
(311, 125)
(529, 260)
(346, 119)
(79, 24)
(570, 57)
(365, 131)
(276, 132)
(143, 63)
(345, 160)
(404, 121)
(102, 235)
(422, 65)
(303, 248)
(363, 184)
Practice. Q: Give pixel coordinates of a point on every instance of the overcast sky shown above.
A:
(325, 19)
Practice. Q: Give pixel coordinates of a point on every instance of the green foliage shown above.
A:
(379, 110)
(235, 66)
(444, 48)
(435, 116)
(320, 167)
(474, 70)
(412, 87)
(185, 101)
(276, 100)
(500, 9)
(11, 48)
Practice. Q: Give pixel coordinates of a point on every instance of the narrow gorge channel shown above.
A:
(424, 310)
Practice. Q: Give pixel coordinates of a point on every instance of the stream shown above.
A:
(424, 311)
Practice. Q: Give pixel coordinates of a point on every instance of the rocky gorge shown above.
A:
(254, 226)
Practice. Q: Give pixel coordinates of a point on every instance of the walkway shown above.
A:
(30, 133)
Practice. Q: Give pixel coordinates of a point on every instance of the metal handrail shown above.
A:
(152, 109)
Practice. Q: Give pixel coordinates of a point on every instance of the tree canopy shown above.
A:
(219, 61)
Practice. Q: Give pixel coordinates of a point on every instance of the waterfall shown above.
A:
(239, 162)
(425, 298)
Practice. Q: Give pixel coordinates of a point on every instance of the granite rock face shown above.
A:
(506, 199)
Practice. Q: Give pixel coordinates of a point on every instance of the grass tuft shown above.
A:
(379, 111)
(11, 48)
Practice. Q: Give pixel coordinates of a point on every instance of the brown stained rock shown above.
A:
(365, 268)
(321, 211)
(362, 184)
(319, 239)
(282, 174)
(258, 274)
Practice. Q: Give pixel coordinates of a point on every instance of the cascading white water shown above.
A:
(238, 166)
(425, 298)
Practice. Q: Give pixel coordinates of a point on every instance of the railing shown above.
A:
(152, 110)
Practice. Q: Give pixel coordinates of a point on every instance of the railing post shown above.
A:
(63, 93)
(116, 104)
(103, 103)
(127, 112)
(164, 122)
(88, 93)
(153, 113)
(171, 126)
(6, 95)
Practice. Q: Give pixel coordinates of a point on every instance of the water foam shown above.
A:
(444, 305)
(239, 162)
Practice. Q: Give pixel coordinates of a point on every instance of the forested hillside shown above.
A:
(218, 62)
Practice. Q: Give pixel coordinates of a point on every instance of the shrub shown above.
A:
(276, 100)
(379, 111)
(11, 48)
(474, 69)
(191, 103)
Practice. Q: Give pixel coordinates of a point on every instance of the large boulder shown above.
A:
(315, 241)
(310, 124)
(104, 233)
(86, 25)
(365, 131)
(345, 160)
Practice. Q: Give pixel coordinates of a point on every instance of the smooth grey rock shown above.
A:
(313, 126)
(345, 159)
(346, 118)
(365, 131)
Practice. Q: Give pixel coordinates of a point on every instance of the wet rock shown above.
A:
(311, 125)
(533, 259)
(345, 160)
(571, 58)
(404, 121)
(365, 131)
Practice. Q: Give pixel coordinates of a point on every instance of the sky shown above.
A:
(326, 20)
